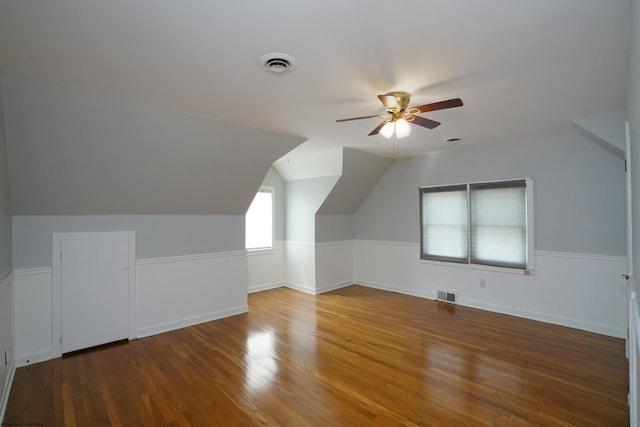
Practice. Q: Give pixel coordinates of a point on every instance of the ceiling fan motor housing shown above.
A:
(395, 101)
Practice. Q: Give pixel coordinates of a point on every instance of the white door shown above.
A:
(94, 291)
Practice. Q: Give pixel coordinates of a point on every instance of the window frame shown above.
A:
(272, 191)
(530, 256)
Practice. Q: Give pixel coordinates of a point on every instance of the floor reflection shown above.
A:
(444, 307)
(261, 361)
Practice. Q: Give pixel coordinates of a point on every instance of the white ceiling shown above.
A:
(522, 67)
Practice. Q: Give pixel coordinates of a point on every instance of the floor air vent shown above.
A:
(447, 296)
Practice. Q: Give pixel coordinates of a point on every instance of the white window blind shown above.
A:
(499, 224)
(480, 223)
(259, 221)
(444, 223)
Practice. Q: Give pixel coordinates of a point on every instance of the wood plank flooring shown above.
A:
(352, 357)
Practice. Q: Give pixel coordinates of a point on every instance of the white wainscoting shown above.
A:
(171, 293)
(7, 370)
(176, 292)
(308, 267)
(301, 266)
(267, 268)
(577, 290)
(334, 265)
(33, 298)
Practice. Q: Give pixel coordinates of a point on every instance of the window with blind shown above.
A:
(479, 223)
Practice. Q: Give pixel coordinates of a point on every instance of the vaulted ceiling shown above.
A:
(521, 67)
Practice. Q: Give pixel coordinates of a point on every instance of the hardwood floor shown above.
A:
(352, 357)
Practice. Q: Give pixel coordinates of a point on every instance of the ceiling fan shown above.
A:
(399, 116)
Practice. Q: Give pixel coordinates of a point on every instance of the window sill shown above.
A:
(480, 267)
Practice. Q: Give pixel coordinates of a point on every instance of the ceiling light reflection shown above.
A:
(261, 361)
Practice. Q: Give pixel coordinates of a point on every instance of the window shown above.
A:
(259, 221)
(445, 224)
(480, 223)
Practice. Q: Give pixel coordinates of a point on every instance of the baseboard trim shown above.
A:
(333, 287)
(6, 390)
(525, 314)
(301, 288)
(545, 318)
(265, 287)
(34, 357)
(191, 321)
(396, 289)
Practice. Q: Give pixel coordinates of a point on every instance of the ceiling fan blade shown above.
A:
(378, 116)
(421, 121)
(377, 129)
(450, 103)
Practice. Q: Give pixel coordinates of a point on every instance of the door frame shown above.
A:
(628, 199)
(56, 290)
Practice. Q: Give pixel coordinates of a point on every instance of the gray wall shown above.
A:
(578, 192)
(5, 199)
(304, 197)
(334, 227)
(156, 235)
(273, 179)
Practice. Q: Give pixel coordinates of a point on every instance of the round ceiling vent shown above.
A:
(278, 63)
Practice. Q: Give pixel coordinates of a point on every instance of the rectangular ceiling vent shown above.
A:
(447, 296)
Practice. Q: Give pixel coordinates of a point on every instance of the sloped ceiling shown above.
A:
(360, 173)
(320, 164)
(75, 152)
(605, 129)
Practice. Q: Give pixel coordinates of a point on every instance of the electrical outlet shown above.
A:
(483, 283)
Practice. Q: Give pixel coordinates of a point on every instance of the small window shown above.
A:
(259, 221)
(480, 223)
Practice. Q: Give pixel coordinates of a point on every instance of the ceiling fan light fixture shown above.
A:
(402, 128)
(399, 116)
(387, 129)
